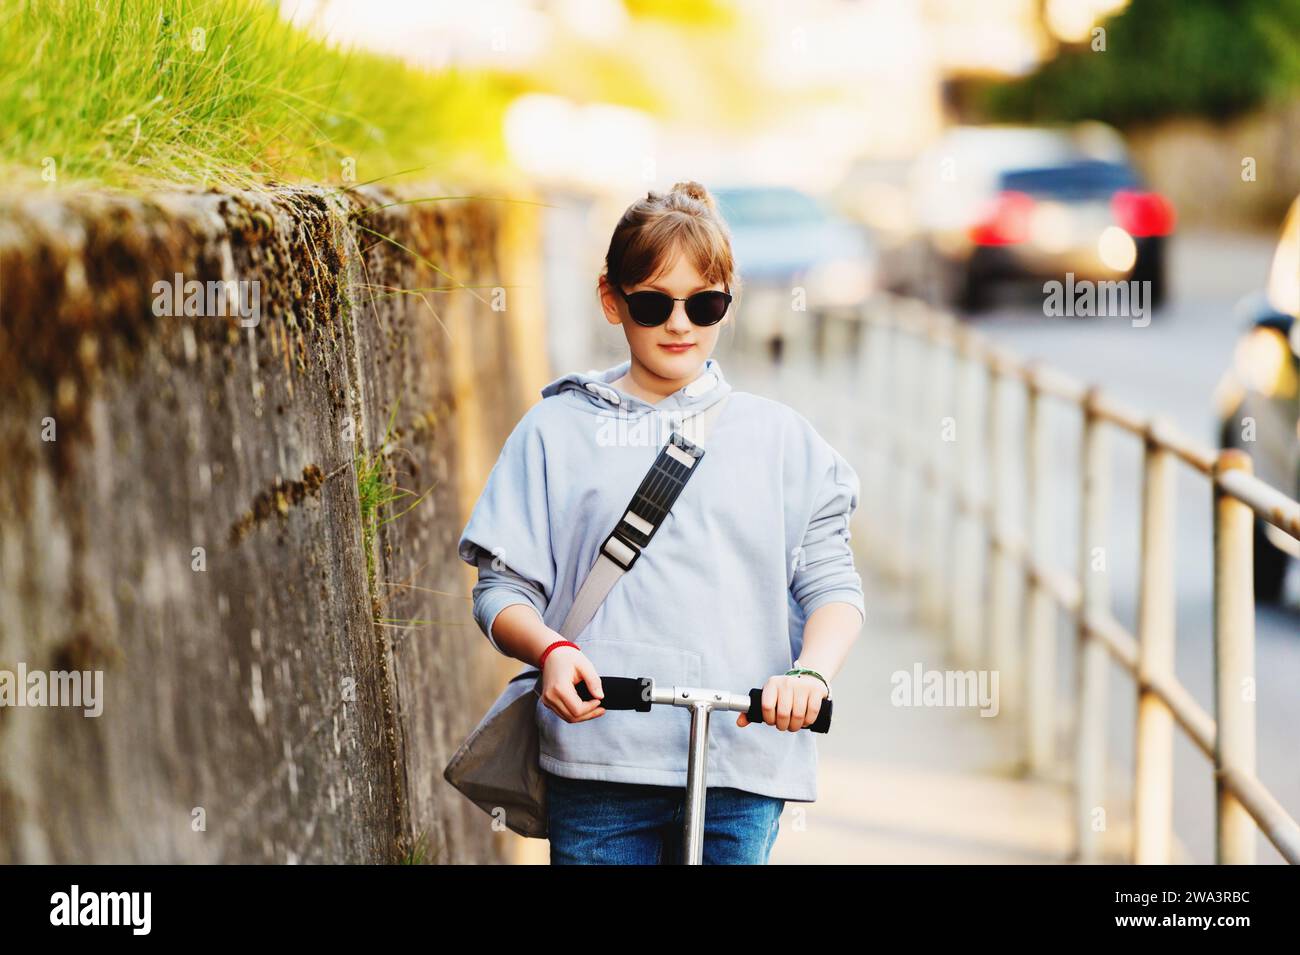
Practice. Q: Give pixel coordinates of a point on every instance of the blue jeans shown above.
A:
(593, 822)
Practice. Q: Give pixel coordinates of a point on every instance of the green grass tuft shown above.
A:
(419, 852)
(136, 93)
(378, 496)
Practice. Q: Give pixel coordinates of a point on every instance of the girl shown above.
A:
(748, 578)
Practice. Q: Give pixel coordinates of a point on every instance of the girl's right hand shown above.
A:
(565, 668)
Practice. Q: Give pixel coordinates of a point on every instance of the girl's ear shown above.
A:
(608, 301)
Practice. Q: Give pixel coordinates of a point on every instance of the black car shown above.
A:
(1258, 400)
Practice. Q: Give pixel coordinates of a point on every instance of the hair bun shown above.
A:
(695, 190)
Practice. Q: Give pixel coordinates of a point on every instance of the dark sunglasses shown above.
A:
(650, 308)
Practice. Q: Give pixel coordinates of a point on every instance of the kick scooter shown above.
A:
(640, 693)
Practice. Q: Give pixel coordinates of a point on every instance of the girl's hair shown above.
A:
(685, 216)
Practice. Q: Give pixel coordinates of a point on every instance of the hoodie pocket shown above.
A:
(656, 740)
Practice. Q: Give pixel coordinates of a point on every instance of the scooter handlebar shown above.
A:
(820, 725)
(633, 693)
(621, 693)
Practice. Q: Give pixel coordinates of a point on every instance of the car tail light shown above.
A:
(1005, 221)
(1142, 213)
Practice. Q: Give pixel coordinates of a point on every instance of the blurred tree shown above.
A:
(1214, 58)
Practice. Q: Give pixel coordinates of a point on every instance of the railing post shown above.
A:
(912, 502)
(1003, 636)
(901, 382)
(888, 443)
(933, 610)
(1040, 611)
(1234, 661)
(881, 442)
(917, 428)
(1153, 786)
(1094, 589)
(967, 571)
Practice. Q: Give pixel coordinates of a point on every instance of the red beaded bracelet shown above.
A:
(558, 643)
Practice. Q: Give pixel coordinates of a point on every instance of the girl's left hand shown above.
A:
(790, 702)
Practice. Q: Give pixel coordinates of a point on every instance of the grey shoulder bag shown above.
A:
(497, 766)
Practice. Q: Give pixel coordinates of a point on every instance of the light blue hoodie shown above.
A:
(757, 541)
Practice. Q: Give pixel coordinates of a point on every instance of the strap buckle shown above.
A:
(622, 552)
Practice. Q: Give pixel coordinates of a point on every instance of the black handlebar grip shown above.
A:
(621, 693)
(820, 725)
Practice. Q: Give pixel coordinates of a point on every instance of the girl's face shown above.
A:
(668, 368)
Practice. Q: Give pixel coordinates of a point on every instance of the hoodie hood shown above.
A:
(594, 391)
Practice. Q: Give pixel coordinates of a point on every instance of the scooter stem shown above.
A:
(697, 768)
(701, 703)
(640, 693)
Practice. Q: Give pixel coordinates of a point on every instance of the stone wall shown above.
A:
(186, 505)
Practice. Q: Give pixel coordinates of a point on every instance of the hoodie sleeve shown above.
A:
(508, 537)
(823, 566)
(498, 589)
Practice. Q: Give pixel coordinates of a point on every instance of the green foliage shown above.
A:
(137, 92)
(1165, 58)
(378, 496)
(419, 853)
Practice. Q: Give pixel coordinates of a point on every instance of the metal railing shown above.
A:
(917, 361)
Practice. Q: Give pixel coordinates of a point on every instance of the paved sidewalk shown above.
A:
(901, 784)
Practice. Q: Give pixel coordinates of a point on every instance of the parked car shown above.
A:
(996, 203)
(797, 260)
(1258, 399)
